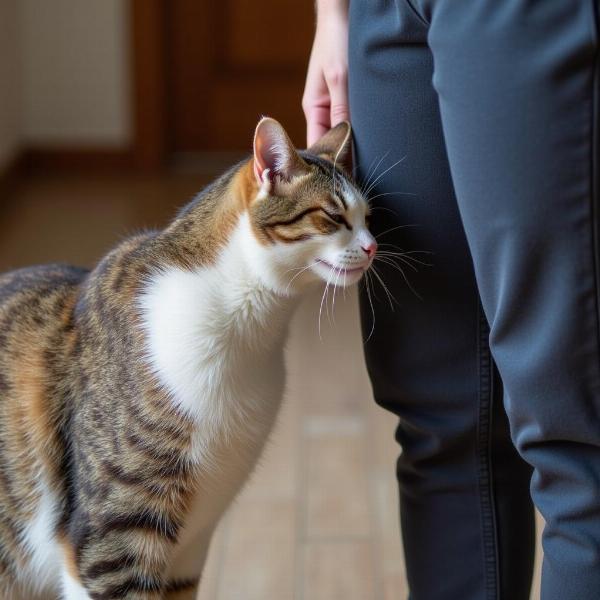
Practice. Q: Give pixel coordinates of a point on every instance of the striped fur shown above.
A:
(136, 397)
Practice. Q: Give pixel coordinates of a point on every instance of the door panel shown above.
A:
(231, 61)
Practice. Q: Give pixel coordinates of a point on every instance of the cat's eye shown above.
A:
(338, 218)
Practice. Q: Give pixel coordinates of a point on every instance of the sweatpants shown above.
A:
(476, 128)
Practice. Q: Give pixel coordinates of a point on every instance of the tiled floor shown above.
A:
(318, 520)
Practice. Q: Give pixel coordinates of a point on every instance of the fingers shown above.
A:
(325, 103)
(317, 124)
(315, 104)
(337, 82)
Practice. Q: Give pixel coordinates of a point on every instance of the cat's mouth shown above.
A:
(342, 268)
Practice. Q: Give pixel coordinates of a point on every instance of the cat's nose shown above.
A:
(370, 248)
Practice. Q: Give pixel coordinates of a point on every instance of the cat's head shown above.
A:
(308, 215)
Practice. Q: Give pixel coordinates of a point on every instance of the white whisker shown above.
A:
(321, 310)
(368, 280)
(334, 292)
(384, 208)
(404, 257)
(378, 178)
(301, 270)
(390, 261)
(412, 289)
(394, 229)
(391, 194)
(389, 295)
(404, 254)
(372, 173)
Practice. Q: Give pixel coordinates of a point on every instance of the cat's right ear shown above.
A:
(335, 145)
(274, 154)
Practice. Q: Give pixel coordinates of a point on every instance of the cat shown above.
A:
(135, 398)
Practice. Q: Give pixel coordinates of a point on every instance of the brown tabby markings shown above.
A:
(298, 215)
(78, 403)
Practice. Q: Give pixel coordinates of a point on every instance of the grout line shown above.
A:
(374, 516)
(301, 503)
(336, 539)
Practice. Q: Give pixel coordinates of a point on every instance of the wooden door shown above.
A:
(229, 62)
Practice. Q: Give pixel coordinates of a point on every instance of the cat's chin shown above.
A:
(338, 275)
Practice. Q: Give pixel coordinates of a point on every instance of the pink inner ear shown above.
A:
(273, 150)
(270, 148)
(262, 155)
(258, 171)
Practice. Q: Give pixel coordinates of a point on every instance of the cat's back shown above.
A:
(35, 302)
(31, 286)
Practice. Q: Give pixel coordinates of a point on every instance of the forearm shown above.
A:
(325, 7)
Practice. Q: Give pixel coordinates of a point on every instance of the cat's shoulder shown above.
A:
(122, 268)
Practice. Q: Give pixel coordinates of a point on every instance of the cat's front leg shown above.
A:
(184, 575)
(73, 588)
(119, 554)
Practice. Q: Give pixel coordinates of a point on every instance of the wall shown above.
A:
(75, 63)
(64, 74)
(10, 88)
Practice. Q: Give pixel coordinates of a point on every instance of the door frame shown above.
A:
(149, 83)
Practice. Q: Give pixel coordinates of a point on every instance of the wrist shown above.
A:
(337, 8)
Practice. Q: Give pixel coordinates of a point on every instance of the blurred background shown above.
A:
(113, 113)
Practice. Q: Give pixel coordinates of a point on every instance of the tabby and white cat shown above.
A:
(136, 398)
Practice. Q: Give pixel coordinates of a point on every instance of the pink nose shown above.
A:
(370, 248)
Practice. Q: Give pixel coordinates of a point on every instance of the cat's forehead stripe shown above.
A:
(352, 197)
(344, 190)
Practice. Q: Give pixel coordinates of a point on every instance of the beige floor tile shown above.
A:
(211, 575)
(387, 546)
(327, 373)
(337, 502)
(259, 554)
(539, 557)
(275, 476)
(382, 425)
(338, 571)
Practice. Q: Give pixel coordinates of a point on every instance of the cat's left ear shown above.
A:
(274, 153)
(335, 145)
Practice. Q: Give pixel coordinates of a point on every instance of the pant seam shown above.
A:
(595, 81)
(486, 493)
(411, 5)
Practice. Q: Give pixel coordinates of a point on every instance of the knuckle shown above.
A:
(336, 76)
(339, 111)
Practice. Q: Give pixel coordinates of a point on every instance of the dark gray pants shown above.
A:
(501, 152)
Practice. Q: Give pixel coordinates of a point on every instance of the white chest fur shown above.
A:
(215, 341)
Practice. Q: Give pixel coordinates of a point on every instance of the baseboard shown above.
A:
(74, 160)
(10, 174)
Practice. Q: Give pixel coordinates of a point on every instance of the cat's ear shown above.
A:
(274, 154)
(335, 145)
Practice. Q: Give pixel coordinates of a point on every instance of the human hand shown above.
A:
(325, 99)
